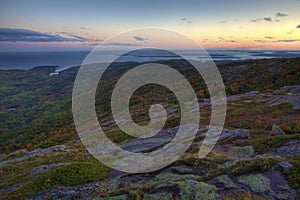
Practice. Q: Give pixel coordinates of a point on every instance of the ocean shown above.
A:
(63, 60)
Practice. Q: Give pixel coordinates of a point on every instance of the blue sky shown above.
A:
(268, 24)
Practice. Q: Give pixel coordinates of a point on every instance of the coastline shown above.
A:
(65, 60)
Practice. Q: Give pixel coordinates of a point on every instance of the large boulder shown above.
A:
(277, 130)
(291, 149)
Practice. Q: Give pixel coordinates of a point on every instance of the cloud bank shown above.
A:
(25, 35)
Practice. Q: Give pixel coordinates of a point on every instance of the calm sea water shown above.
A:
(28, 60)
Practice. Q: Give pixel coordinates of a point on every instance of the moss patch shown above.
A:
(73, 174)
(293, 174)
(263, 144)
(225, 181)
(199, 190)
(257, 182)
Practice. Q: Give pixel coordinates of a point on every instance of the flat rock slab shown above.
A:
(45, 168)
(160, 139)
(292, 99)
(166, 135)
(37, 152)
(291, 89)
(11, 188)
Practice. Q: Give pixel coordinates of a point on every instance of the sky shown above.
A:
(42, 25)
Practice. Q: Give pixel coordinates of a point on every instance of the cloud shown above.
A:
(186, 20)
(260, 41)
(256, 20)
(120, 44)
(269, 37)
(268, 19)
(298, 26)
(287, 41)
(138, 38)
(78, 37)
(232, 41)
(25, 35)
(279, 14)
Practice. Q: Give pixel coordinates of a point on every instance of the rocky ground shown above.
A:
(244, 164)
